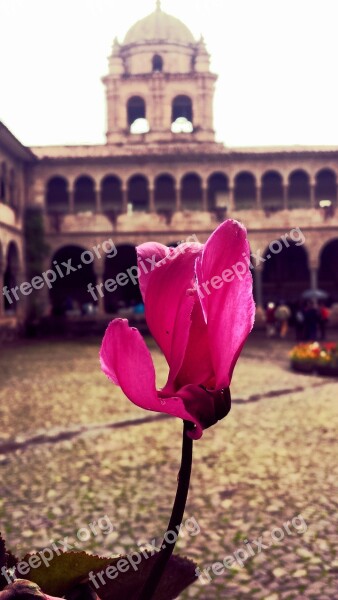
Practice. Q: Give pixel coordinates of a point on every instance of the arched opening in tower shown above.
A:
(299, 189)
(285, 272)
(191, 192)
(272, 191)
(84, 194)
(136, 115)
(69, 292)
(57, 197)
(328, 269)
(138, 193)
(11, 277)
(121, 281)
(245, 191)
(157, 63)
(182, 115)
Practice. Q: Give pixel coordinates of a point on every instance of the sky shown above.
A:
(276, 61)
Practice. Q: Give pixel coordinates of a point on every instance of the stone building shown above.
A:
(162, 176)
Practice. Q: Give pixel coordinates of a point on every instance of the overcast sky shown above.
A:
(276, 61)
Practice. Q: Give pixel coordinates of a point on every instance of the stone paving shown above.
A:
(267, 474)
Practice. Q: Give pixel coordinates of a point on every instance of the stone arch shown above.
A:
(245, 190)
(328, 268)
(137, 115)
(182, 114)
(299, 191)
(138, 192)
(191, 192)
(165, 193)
(286, 272)
(111, 194)
(272, 191)
(121, 288)
(57, 195)
(218, 190)
(11, 274)
(69, 291)
(84, 194)
(157, 63)
(326, 186)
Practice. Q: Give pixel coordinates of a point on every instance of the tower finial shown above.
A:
(158, 4)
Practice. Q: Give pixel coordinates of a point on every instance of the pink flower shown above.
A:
(200, 310)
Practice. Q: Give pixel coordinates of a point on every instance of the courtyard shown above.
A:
(74, 450)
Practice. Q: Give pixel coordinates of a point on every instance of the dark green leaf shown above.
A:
(65, 571)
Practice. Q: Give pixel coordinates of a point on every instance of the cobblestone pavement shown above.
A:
(266, 474)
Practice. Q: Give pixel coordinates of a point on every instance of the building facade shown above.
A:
(162, 176)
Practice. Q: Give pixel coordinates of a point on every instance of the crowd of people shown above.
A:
(308, 318)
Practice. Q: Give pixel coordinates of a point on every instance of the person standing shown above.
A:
(323, 320)
(299, 322)
(283, 314)
(311, 321)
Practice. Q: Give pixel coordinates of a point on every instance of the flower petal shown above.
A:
(126, 360)
(228, 306)
(169, 302)
(148, 255)
(197, 367)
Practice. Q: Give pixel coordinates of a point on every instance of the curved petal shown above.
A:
(197, 367)
(126, 360)
(148, 255)
(225, 292)
(169, 302)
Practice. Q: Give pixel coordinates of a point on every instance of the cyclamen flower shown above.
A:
(199, 308)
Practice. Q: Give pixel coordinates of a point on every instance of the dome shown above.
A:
(159, 26)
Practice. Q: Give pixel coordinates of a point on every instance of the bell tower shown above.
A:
(159, 87)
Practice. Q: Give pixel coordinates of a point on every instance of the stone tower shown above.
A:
(159, 87)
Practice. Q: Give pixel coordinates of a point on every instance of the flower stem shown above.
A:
(175, 521)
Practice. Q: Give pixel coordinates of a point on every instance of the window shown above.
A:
(157, 63)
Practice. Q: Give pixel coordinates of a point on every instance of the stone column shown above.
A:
(98, 203)
(204, 199)
(99, 290)
(176, 198)
(258, 197)
(258, 285)
(124, 200)
(314, 276)
(152, 200)
(22, 304)
(232, 198)
(178, 201)
(43, 294)
(285, 196)
(71, 200)
(312, 195)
